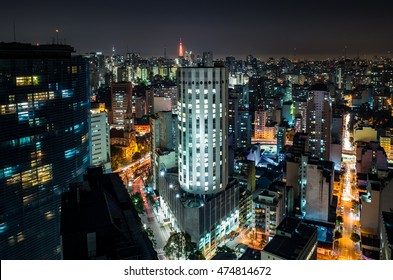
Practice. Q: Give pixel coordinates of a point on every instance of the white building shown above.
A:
(316, 182)
(203, 129)
(100, 141)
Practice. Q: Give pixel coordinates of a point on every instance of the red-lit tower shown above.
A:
(181, 53)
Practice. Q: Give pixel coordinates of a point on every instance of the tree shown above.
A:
(196, 255)
(339, 219)
(355, 237)
(117, 157)
(151, 236)
(178, 245)
(138, 203)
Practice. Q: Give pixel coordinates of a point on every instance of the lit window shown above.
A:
(27, 81)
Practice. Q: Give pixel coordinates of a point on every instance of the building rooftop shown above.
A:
(288, 225)
(289, 248)
(224, 256)
(21, 50)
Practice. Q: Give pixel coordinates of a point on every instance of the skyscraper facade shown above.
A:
(319, 122)
(100, 142)
(197, 196)
(203, 129)
(44, 143)
(121, 103)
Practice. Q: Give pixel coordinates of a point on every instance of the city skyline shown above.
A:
(262, 29)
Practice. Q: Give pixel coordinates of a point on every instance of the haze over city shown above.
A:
(261, 28)
(196, 130)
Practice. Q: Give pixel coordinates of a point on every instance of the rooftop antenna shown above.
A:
(57, 36)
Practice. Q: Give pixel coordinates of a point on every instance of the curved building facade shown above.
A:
(44, 144)
(203, 129)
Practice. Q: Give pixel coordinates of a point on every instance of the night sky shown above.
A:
(262, 28)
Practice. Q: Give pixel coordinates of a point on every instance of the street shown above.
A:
(347, 249)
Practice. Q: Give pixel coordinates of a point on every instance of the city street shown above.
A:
(151, 218)
(347, 249)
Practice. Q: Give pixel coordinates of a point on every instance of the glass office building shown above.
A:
(44, 143)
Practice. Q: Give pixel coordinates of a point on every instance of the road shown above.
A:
(151, 218)
(347, 249)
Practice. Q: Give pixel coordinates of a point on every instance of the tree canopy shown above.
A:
(178, 245)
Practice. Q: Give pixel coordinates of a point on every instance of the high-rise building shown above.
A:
(44, 143)
(245, 129)
(269, 206)
(207, 59)
(370, 158)
(140, 106)
(149, 101)
(197, 197)
(100, 141)
(319, 122)
(164, 139)
(233, 120)
(316, 182)
(281, 137)
(264, 126)
(121, 103)
(336, 140)
(203, 129)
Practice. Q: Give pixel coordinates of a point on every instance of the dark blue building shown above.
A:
(44, 143)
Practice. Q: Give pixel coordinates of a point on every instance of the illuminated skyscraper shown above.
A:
(281, 139)
(44, 143)
(319, 122)
(181, 52)
(203, 129)
(100, 146)
(200, 190)
(121, 103)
